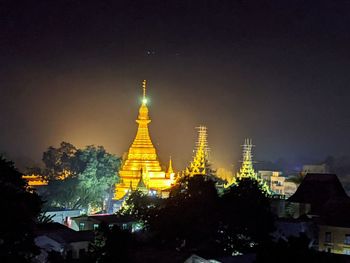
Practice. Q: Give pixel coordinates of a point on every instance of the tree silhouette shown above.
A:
(189, 218)
(247, 219)
(20, 207)
(111, 245)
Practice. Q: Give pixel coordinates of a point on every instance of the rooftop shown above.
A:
(63, 234)
(318, 189)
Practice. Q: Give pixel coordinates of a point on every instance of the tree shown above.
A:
(110, 245)
(60, 162)
(189, 218)
(141, 206)
(98, 175)
(20, 206)
(247, 219)
(79, 178)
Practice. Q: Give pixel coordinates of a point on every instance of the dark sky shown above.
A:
(276, 71)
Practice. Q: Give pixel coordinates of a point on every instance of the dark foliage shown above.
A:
(111, 245)
(195, 218)
(20, 207)
(247, 219)
(189, 218)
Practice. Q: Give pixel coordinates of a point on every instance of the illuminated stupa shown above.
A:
(141, 162)
(247, 170)
(199, 164)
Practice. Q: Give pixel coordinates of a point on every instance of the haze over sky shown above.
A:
(275, 71)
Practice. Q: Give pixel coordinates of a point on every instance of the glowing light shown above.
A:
(200, 159)
(142, 162)
(34, 180)
(247, 170)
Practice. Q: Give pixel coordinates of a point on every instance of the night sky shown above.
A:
(276, 71)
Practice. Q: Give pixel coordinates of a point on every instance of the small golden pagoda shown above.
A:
(200, 160)
(141, 162)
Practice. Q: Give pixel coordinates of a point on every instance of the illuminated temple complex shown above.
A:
(141, 168)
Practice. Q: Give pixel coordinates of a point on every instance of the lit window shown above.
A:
(346, 251)
(328, 237)
(95, 226)
(81, 226)
(347, 239)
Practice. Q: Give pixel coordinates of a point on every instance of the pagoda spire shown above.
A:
(170, 167)
(200, 160)
(247, 170)
(141, 164)
(144, 98)
(141, 186)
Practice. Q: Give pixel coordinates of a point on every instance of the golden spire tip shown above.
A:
(144, 99)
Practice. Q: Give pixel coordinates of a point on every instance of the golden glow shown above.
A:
(64, 175)
(247, 170)
(34, 180)
(142, 159)
(200, 159)
(37, 180)
(144, 98)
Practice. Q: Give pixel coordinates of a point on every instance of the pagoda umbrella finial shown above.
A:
(144, 99)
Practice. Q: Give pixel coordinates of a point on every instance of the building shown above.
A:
(34, 180)
(142, 159)
(62, 216)
(289, 188)
(334, 239)
(274, 180)
(92, 222)
(322, 198)
(315, 191)
(334, 226)
(315, 169)
(54, 237)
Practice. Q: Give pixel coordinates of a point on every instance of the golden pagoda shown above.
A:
(200, 160)
(141, 162)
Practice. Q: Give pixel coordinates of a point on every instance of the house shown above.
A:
(315, 191)
(274, 180)
(329, 206)
(334, 227)
(92, 222)
(55, 237)
(62, 216)
(315, 168)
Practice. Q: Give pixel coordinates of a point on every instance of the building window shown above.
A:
(125, 226)
(95, 226)
(328, 237)
(347, 239)
(81, 226)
